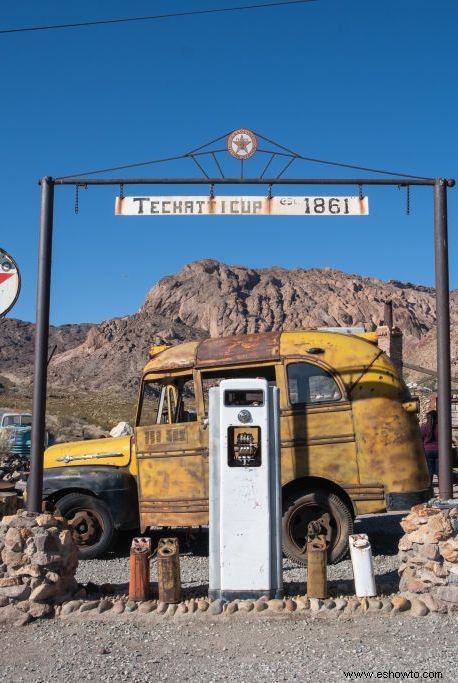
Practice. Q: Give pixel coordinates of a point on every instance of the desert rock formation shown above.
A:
(209, 298)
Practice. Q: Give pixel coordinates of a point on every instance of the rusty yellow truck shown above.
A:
(350, 441)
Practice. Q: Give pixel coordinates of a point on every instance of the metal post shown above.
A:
(443, 340)
(35, 485)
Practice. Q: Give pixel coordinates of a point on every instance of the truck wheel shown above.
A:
(92, 526)
(301, 509)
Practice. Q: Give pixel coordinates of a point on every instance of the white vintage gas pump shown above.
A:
(244, 490)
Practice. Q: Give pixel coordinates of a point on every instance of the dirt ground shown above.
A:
(240, 648)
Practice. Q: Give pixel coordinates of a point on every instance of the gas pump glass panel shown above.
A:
(244, 397)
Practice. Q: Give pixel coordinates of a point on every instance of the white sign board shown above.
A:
(10, 282)
(241, 206)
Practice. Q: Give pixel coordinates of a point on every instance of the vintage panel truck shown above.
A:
(350, 441)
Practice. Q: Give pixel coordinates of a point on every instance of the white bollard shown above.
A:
(363, 568)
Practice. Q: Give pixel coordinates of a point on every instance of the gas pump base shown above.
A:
(227, 595)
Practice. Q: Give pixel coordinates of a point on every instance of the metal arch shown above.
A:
(400, 179)
(279, 150)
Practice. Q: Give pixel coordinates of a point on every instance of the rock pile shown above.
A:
(38, 561)
(14, 469)
(429, 556)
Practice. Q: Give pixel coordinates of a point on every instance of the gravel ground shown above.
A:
(135, 649)
(245, 647)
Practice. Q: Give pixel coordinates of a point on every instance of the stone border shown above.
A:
(287, 607)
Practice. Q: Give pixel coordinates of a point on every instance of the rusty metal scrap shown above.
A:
(168, 570)
(139, 568)
(317, 584)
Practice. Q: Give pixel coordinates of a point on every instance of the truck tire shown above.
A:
(92, 526)
(302, 508)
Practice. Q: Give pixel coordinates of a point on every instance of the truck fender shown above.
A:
(116, 487)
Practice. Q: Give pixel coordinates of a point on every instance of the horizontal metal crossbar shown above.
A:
(450, 182)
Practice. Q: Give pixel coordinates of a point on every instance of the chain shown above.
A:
(360, 191)
(407, 197)
(77, 199)
(121, 191)
(212, 191)
(269, 192)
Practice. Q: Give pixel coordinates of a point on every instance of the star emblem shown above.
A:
(242, 144)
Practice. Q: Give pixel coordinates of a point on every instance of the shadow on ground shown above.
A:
(384, 532)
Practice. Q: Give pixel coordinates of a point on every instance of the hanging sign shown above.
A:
(241, 206)
(10, 282)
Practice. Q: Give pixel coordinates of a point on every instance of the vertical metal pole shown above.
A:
(443, 340)
(35, 485)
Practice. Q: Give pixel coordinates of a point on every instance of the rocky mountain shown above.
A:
(209, 298)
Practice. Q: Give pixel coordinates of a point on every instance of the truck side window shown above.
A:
(168, 402)
(309, 383)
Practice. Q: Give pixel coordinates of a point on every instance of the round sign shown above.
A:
(10, 282)
(242, 144)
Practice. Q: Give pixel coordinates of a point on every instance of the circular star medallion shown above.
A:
(242, 144)
(10, 282)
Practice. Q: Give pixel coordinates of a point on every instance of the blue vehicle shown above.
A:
(17, 428)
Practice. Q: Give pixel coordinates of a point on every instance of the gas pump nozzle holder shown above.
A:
(245, 499)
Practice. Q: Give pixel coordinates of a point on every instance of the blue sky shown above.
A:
(373, 84)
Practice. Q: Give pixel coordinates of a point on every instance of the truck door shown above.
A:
(172, 454)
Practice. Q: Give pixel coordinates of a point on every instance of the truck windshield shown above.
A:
(16, 420)
(11, 420)
(151, 398)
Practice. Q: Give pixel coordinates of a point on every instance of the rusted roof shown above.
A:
(264, 346)
(180, 356)
(245, 348)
